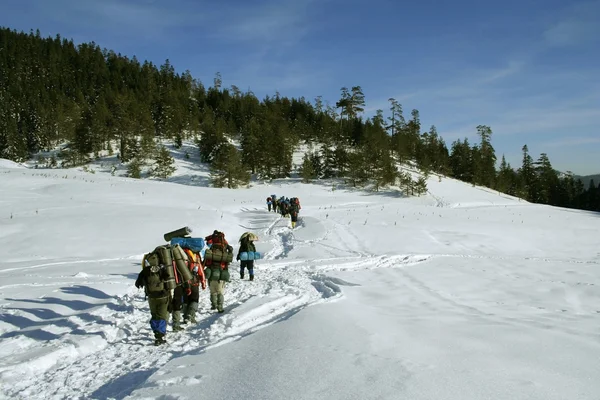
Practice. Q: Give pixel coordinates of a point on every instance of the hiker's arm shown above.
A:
(139, 282)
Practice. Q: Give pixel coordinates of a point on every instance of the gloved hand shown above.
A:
(230, 249)
(188, 291)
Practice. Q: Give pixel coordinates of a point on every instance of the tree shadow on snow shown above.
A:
(86, 291)
(78, 322)
(122, 386)
(75, 305)
(132, 276)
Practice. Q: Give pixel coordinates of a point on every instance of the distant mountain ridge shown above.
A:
(587, 178)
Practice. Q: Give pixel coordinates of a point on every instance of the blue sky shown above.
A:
(530, 69)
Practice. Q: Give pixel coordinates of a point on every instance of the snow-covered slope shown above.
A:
(460, 294)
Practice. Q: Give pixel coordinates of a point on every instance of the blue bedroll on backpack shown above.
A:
(250, 255)
(194, 244)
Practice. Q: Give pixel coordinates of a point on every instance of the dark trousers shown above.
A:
(247, 264)
(193, 297)
(178, 298)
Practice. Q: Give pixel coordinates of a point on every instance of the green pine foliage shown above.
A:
(134, 169)
(87, 99)
(307, 170)
(227, 169)
(165, 164)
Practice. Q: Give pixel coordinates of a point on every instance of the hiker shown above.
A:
(156, 278)
(294, 209)
(274, 201)
(269, 203)
(217, 271)
(295, 200)
(286, 207)
(192, 293)
(280, 204)
(247, 246)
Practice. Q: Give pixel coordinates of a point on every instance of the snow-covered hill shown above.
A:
(460, 294)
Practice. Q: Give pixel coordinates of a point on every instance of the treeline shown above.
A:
(53, 92)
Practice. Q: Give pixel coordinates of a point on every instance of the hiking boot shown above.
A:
(192, 310)
(177, 328)
(176, 319)
(241, 276)
(159, 341)
(251, 277)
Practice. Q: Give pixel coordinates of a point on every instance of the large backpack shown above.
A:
(196, 268)
(159, 275)
(217, 240)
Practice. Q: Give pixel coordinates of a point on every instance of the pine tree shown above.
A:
(547, 181)
(420, 186)
(227, 170)
(485, 171)
(165, 164)
(527, 176)
(506, 181)
(134, 170)
(317, 164)
(307, 171)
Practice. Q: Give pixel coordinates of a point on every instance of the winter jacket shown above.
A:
(245, 246)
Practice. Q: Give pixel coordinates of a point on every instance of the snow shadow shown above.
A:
(287, 244)
(34, 315)
(328, 286)
(190, 180)
(86, 291)
(122, 386)
(36, 329)
(340, 185)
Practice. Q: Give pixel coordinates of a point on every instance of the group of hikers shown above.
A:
(172, 275)
(285, 206)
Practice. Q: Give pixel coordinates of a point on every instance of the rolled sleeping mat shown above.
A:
(194, 244)
(181, 260)
(181, 232)
(218, 255)
(250, 255)
(165, 255)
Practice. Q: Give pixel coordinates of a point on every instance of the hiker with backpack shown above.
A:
(192, 274)
(216, 260)
(274, 201)
(157, 279)
(280, 205)
(192, 292)
(269, 203)
(247, 247)
(293, 210)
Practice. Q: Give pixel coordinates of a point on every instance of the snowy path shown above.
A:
(103, 348)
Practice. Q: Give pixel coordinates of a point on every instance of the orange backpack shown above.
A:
(196, 268)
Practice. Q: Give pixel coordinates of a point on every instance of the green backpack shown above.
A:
(159, 270)
(154, 279)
